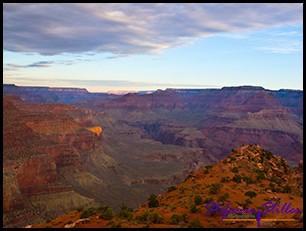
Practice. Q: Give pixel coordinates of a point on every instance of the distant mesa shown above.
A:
(246, 87)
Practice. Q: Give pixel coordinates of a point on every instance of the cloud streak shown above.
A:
(102, 83)
(126, 29)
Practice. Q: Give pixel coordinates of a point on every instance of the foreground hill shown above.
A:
(247, 178)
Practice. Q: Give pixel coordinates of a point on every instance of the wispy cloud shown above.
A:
(125, 29)
(43, 64)
(102, 83)
(280, 42)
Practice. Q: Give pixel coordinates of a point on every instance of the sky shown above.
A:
(148, 46)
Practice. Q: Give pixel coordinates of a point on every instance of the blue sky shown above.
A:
(108, 47)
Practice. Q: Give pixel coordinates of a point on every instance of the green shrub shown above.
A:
(272, 185)
(232, 159)
(154, 218)
(195, 224)
(149, 218)
(225, 179)
(175, 219)
(80, 209)
(85, 214)
(143, 218)
(113, 224)
(208, 199)
(108, 214)
(215, 188)
(250, 194)
(273, 179)
(268, 155)
(223, 198)
(260, 176)
(198, 200)
(153, 202)
(287, 189)
(235, 169)
(172, 188)
(125, 212)
(237, 178)
(248, 180)
(193, 208)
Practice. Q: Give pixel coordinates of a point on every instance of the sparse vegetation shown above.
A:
(235, 169)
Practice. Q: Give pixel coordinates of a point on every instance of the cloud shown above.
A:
(280, 41)
(125, 29)
(105, 84)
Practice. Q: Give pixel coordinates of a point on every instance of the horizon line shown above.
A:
(159, 89)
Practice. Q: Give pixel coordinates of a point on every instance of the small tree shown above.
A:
(153, 202)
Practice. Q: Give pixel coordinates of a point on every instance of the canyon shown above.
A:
(66, 148)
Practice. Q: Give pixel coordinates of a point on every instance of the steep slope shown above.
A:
(38, 144)
(248, 177)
